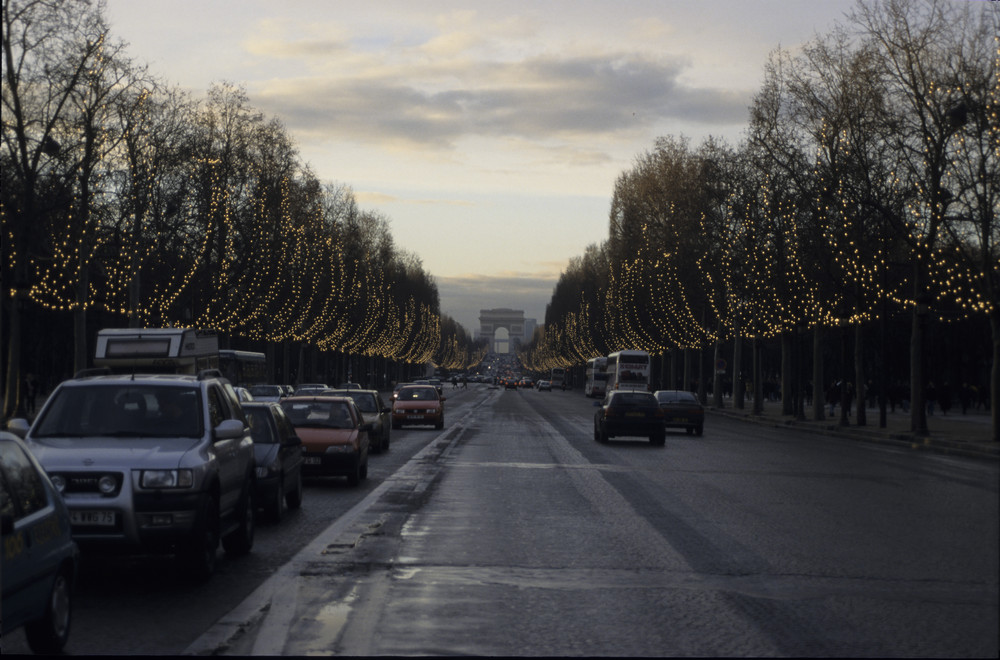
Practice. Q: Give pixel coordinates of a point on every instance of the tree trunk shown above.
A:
(788, 379)
(739, 388)
(859, 375)
(819, 387)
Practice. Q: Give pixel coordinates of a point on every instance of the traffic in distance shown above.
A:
(170, 445)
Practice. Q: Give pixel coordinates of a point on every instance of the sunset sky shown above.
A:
(489, 134)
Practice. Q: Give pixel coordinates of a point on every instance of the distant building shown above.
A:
(504, 328)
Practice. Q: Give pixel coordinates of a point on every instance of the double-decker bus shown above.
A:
(157, 350)
(628, 370)
(557, 377)
(597, 377)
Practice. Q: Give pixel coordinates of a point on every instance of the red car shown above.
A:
(418, 404)
(335, 437)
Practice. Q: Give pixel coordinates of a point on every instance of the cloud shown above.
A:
(391, 100)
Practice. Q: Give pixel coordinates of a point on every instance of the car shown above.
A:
(335, 437)
(155, 463)
(40, 558)
(243, 394)
(375, 412)
(267, 392)
(629, 413)
(681, 409)
(544, 386)
(510, 384)
(418, 405)
(349, 386)
(525, 382)
(278, 457)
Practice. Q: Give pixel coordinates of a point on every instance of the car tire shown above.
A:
(240, 541)
(354, 478)
(698, 430)
(200, 555)
(658, 439)
(293, 498)
(49, 635)
(275, 508)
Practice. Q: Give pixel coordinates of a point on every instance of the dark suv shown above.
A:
(629, 412)
(150, 463)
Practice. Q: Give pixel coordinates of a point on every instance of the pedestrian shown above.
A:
(930, 394)
(30, 392)
(833, 396)
(965, 397)
(944, 398)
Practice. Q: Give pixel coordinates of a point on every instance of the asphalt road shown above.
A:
(514, 533)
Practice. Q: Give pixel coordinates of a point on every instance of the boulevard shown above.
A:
(512, 532)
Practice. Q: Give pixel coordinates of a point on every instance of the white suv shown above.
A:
(150, 463)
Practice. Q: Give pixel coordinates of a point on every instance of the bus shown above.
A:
(628, 370)
(157, 350)
(243, 368)
(557, 377)
(597, 377)
(176, 351)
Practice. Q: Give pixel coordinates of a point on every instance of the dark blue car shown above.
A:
(40, 559)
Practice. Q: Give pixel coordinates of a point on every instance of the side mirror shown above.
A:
(19, 427)
(443, 399)
(229, 430)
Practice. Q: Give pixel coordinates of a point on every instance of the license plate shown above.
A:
(635, 414)
(414, 417)
(682, 420)
(314, 460)
(103, 518)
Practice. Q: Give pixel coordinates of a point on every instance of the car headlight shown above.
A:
(107, 484)
(269, 470)
(167, 479)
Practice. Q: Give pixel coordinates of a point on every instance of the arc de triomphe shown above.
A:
(512, 320)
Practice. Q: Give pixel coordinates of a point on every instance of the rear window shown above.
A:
(633, 399)
(676, 397)
(322, 414)
(123, 409)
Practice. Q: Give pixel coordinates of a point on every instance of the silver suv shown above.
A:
(151, 463)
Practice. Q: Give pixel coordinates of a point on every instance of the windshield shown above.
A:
(125, 409)
(322, 414)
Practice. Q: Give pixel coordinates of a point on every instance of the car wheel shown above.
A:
(658, 439)
(49, 635)
(240, 541)
(354, 478)
(200, 555)
(294, 497)
(275, 508)
(698, 430)
(364, 469)
(385, 441)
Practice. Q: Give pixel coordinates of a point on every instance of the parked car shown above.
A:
(629, 413)
(375, 412)
(681, 410)
(418, 405)
(150, 464)
(267, 392)
(243, 394)
(40, 558)
(334, 435)
(278, 457)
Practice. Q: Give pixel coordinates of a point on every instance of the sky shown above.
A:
(488, 134)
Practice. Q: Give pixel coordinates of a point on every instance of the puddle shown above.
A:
(329, 622)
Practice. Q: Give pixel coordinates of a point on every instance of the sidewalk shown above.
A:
(954, 433)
